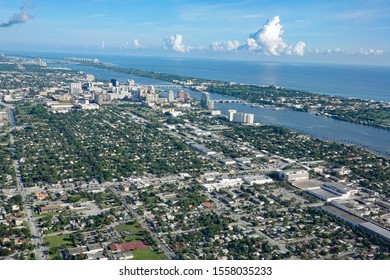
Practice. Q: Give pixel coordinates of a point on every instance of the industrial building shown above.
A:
(257, 180)
(203, 149)
(224, 183)
(332, 191)
(357, 222)
(293, 175)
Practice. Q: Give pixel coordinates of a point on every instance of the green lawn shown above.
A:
(148, 254)
(55, 243)
(58, 241)
(134, 228)
(137, 233)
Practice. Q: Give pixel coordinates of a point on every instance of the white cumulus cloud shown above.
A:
(124, 46)
(175, 43)
(268, 40)
(102, 44)
(224, 46)
(136, 43)
(371, 52)
(299, 48)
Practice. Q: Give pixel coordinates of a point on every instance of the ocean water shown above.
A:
(355, 81)
(366, 82)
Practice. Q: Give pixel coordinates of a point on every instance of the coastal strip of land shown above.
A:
(366, 112)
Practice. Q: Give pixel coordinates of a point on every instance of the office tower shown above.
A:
(151, 90)
(171, 96)
(75, 88)
(114, 82)
(130, 83)
(99, 98)
(205, 99)
(136, 96)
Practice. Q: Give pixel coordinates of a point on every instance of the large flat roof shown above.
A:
(376, 229)
(344, 215)
(307, 184)
(322, 194)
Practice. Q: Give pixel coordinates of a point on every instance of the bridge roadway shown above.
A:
(168, 86)
(228, 101)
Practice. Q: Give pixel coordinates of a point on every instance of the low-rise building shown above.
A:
(224, 183)
(227, 161)
(293, 175)
(258, 180)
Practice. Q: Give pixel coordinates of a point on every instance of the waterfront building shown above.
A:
(204, 101)
(114, 82)
(210, 104)
(231, 114)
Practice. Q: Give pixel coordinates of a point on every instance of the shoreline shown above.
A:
(282, 91)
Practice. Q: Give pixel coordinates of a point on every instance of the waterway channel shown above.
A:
(370, 138)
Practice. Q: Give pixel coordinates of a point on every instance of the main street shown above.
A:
(160, 243)
(36, 237)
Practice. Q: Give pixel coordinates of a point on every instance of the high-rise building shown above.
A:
(151, 98)
(136, 96)
(231, 114)
(75, 88)
(180, 95)
(114, 82)
(241, 117)
(249, 118)
(151, 90)
(210, 105)
(204, 101)
(171, 96)
(99, 98)
(130, 83)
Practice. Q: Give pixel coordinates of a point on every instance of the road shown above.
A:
(223, 207)
(160, 243)
(36, 236)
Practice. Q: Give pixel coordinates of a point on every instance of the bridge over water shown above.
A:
(167, 86)
(228, 101)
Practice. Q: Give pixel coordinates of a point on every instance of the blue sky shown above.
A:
(351, 31)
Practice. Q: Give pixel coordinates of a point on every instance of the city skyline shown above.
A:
(305, 31)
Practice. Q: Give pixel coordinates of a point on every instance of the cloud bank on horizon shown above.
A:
(201, 21)
(267, 40)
